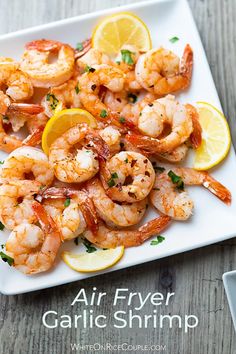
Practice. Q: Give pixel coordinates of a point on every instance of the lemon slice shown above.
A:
(93, 262)
(62, 121)
(215, 137)
(119, 29)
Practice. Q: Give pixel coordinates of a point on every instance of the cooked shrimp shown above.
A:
(25, 161)
(18, 114)
(72, 210)
(161, 72)
(16, 198)
(174, 156)
(4, 103)
(107, 238)
(128, 177)
(113, 213)
(85, 46)
(80, 165)
(111, 136)
(166, 197)
(18, 84)
(167, 111)
(35, 62)
(90, 82)
(63, 96)
(34, 248)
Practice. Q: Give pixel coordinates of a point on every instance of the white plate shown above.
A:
(229, 280)
(213, 221)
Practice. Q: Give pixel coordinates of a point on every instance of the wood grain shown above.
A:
(195, 276)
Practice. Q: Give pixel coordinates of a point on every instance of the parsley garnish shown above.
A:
(103, 113)
(89, 69)
(177, 180)
(79, 47)
(158, 240)
(132, 97)
(126, 56)
(88, 245)
(77, 89)
(174, 39)
(6, 258)
(111, 182)
(1, 226)
(53, 100)
(1, 162)
(126, 160)
(67, 202)
(122, 120)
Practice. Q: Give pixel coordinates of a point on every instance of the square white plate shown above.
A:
(229, 280)
(213, 221)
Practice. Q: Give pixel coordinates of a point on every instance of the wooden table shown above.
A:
(195, 277)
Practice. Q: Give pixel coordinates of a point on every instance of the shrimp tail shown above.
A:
(86, 46)
(90, 215)
(153, 227)
(96, 143)
(34, 138)
(27, 108)
(186, 65)
(47, 223)
(196, 136)
(217, 189)
(143, 142)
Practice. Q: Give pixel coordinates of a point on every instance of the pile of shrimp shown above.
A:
(95, 183)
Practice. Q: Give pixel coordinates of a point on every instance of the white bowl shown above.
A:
(229, 280)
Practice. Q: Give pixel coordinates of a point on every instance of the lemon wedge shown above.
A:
(216, 138)
(62, 121)
(119, 29)
(93, 262)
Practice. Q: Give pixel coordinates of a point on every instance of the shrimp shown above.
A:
(107, 238)
(72, 210)
(85, 46)
(167, 111)
(90, 82)
(160, 71)
(34, 248)
(35, 62)
(61, 97)
(18, 84)
(177, 204)
(128, 177)
(111, 136)
(80, 165)
(8, 143)
(91, 58)
(113, 213)
(16, 198)
(26, 161)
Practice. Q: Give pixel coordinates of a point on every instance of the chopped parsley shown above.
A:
(118, 62)
(1, 162)
(132, 97)
(159, 168)
(111, 182)
(53, 100)
(126, 56)
(77, 89)
(177, 180)
(89, 246)
(158, 240)
(103, 113)
(89, 69)
(6, 258)
(126, 160)
(1, 226)
(122, 120)
(174, 39)
(67, 202)
(79, 47)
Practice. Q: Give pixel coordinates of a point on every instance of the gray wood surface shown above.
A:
(196, 277)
